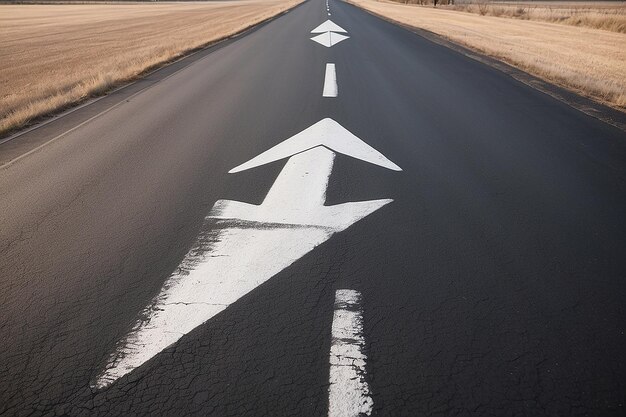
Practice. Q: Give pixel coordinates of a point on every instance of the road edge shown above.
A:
(53, 116)
(573, 99)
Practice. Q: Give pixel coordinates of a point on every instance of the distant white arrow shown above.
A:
(329, 39)
(243, 245)
(328, 26)
(330, 34)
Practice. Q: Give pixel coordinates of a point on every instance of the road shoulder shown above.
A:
(584, 104)
(57, 124)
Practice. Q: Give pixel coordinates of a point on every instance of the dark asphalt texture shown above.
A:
(494, 284)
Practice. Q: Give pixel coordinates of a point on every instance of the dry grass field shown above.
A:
(589, 61)
(609, 16)
(606, 15)
(53, 55)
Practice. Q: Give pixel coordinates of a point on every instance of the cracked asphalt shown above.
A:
(493, 285)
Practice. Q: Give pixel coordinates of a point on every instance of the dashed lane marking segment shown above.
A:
(348, 391)
(243, 245)
(330, 81)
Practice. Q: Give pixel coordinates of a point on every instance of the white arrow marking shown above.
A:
(330, 81)
(329, 39)
(327, 36)
(348, 391)
(242, 245)
(328, 133)
(328, 26)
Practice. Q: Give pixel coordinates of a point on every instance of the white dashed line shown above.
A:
(348, 392)
(330, 81)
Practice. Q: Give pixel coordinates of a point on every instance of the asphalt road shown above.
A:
(492, 285)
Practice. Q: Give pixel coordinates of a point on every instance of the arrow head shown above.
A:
(328, 26)
(327, 133)
(329, 39)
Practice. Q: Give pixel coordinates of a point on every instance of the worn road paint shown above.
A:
(330, 81)
(243, 245)
(348, 392)
(328, 26)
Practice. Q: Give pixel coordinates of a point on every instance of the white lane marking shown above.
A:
(328, 133)
(329, 33)
(243, 245)
(328, 26)
(329, 39)
(348, 392)
(330, 81)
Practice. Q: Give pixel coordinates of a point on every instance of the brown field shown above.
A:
(52, 56)
(605, 16)
(589, 61)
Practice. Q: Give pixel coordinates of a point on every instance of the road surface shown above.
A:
(253, 232)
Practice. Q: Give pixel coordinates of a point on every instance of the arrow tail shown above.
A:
(220, 268)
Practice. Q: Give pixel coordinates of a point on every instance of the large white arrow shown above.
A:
(243, 245)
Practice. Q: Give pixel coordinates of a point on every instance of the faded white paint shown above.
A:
(243, 245)
(348, 391)
(330, 81)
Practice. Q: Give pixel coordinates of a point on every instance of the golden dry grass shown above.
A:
(605, 16)
(54, 55)
(589, 61)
